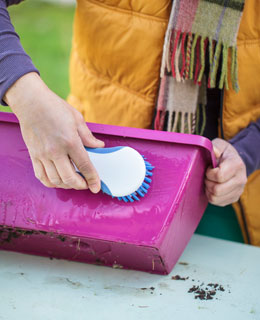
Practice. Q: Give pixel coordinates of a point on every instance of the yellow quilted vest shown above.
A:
(114, 75)
(115, 60)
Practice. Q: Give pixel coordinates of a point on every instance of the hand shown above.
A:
(225, 184)
(55, 134)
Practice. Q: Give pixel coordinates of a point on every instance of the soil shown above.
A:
(206, 293)
(177, 277)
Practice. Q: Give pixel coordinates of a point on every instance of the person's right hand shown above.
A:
(55, 134)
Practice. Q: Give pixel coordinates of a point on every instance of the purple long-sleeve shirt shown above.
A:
(14, 63)
(247, 143)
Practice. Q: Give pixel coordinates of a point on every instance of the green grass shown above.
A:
(45, 30)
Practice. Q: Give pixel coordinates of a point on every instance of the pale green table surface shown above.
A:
(42, 289)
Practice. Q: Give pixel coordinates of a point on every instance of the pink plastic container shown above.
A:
(149, 235)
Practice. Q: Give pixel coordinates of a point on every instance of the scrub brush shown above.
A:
(124, 172)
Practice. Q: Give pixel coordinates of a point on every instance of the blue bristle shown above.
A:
(140, 193)
(130, 198)
(125, 199)
(143, 189)
(145, 185)
(135, 197)
(148, 180)
(148, 173)
(119, 198)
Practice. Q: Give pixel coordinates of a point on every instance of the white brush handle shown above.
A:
(121, 169)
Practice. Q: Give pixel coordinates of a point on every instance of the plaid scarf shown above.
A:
(199, 41)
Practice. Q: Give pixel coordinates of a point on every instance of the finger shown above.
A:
(224, 172)
(68, 174)
(221, 189)
(224, 200)
(53, 174)
(219, 146)
(87, 137)
(217, 152)
(40, 173)
(81, 159)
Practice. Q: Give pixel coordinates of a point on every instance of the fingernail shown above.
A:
(94, 188)
(98, 141)
(217, 152)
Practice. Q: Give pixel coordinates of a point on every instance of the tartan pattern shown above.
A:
(216, 22)
(233, 4)
(196, 27)
(208, 19)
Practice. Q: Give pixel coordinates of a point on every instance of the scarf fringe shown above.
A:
(187, 60)
(183, 122)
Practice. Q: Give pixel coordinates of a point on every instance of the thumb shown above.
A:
(219, 146)
(216, 152)
(88, 139)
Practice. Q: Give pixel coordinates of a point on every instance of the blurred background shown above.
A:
(45, 30)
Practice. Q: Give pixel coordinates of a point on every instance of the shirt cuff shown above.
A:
(247, 144)
(13, 67)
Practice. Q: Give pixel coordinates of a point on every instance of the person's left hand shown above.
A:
(226, 182)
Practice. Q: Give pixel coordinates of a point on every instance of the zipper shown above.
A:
(223, 137)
